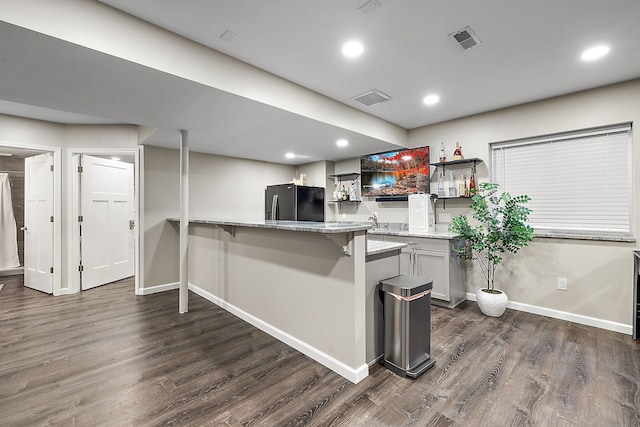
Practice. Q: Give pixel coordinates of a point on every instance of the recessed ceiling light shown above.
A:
(352, 49)
(342, 143)
(431, 99)
(290, 155)
(594, 53)
(115, 158)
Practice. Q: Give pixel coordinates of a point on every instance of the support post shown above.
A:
(184, 222)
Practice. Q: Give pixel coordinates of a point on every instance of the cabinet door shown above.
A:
(406, 266)
(435, 266)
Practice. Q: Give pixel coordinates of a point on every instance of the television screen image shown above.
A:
(395, 173)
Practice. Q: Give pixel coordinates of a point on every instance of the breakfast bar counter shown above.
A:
(304, 283)
(306, 226)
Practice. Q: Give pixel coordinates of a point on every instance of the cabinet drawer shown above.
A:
(424, 243)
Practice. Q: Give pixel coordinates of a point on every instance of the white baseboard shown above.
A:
(355, 375)
(159, 288)
(563, 315)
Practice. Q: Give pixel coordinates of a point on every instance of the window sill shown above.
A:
(585, 237)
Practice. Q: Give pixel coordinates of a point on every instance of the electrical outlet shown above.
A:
(444, 218)
(562, 283)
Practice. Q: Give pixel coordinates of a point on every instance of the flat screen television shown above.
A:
(395, 173)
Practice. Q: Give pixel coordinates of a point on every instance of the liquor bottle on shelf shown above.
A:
(441, 192)
(462, 187)
(443, 155)
(343, 194)
(472, 185)
(457, 153)
(452, 185)
(352, 191)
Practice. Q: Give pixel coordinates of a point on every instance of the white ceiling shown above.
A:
(529, 51)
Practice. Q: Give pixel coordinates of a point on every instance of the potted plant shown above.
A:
(502, 228)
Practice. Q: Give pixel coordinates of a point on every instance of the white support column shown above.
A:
(184, 222)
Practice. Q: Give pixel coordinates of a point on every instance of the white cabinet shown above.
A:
(436, 260)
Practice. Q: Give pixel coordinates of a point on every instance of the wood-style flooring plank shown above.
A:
(107, 357)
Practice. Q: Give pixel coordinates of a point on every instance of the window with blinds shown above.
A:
(580, 183)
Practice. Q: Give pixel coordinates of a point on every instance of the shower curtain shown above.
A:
(8, 230)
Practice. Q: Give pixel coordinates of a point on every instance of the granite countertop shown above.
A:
(307, 226)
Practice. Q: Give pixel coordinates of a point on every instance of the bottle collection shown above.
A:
(343, 194)
(457, 153)
(456, 187)
(453, 190)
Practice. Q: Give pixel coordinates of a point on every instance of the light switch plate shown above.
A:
(562, 283)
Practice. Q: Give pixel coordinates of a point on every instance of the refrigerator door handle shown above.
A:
(274, 206)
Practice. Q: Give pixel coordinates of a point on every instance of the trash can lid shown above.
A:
(406, 286)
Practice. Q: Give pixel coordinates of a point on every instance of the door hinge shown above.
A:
(79, 169)
(51, 168)
(80, 218)
(80, 268)
(51, 270)
(51, 218)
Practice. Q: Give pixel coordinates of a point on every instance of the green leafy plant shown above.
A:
(502, 229)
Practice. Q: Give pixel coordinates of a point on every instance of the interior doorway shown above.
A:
(31, 209)
(38, 222)
(105, 218)
(107, 221)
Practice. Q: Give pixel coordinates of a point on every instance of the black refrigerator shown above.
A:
(294, 203)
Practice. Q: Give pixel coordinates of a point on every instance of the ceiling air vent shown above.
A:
(369, 7)
(466, 38)
(372, 97)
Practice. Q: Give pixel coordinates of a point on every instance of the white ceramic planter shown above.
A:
(491, 304)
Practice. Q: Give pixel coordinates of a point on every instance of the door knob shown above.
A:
(132, 224)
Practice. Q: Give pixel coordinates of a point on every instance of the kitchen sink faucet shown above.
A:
(374, 218)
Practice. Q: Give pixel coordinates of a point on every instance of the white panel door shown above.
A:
(38, 215)
(107, 208)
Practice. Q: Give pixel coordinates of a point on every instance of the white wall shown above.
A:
(161, 176)
(219, 187)
(227, 187)
(19, 131)
(599, 273)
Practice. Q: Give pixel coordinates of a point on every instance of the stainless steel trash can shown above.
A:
(407, 325)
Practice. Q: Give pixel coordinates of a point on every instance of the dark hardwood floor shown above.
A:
(106, 357)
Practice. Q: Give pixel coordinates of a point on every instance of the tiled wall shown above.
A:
(17, 195)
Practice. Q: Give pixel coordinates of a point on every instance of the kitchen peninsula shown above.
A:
(305, 283)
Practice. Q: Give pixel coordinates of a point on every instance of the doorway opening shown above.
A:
(105, 217)
(30, 233)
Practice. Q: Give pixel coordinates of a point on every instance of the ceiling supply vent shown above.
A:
(369, 7)
(466, 38)
(372, 97)
(228, 35)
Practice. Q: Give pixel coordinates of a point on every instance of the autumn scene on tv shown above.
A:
(396, 172)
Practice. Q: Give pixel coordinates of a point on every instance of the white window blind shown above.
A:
(580, 183)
